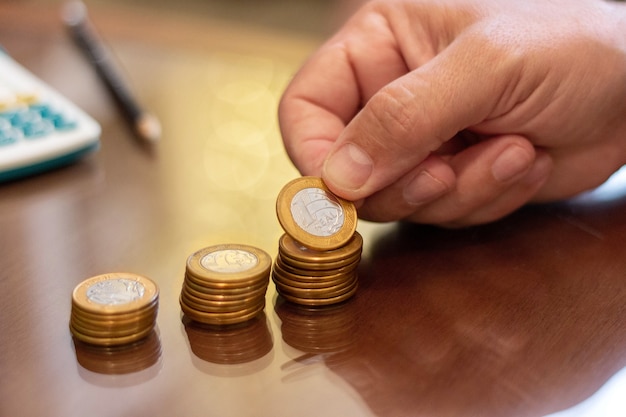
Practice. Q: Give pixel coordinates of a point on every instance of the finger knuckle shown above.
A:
(394, 110)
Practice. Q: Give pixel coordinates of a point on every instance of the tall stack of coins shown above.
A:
(114, 309)
(321, 250)
(225, 284)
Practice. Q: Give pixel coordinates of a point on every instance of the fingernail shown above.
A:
(423, 188)
(512, 162)
(349, 167)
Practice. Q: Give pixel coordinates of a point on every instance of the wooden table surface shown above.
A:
(523, 317)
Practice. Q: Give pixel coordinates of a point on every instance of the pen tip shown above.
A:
(74, 12)
(148, 128)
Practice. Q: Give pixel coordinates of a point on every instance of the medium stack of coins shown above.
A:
(225, 284)
(319, 254)
(114, 309)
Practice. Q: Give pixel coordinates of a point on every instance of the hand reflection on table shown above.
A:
(523, 317)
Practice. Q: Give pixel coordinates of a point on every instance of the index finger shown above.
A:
(333, 85)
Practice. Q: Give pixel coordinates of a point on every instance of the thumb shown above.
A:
(414, 115)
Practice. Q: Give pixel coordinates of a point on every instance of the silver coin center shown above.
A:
(229, 261)
(317, 212)
(115, 291)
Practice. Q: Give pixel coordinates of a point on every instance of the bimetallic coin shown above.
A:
(149, 310)
(222, 318)
(295, 281)
(317, 293)
(138, 322)
(85, 329)
(290, 248)
(223, 286)
(109, 341)
(317, 269)
(229, 264)
(219, 306)
(310, 213)
(199, 292)
(320, 301)
(115, 293)
(114, 309)
(226, 292)
(305, 277)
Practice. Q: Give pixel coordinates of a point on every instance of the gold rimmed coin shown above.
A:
(115, 293)
(219, 306)
(114, 309)
(112, 332)
(225, 287)
(225, 294)
(314, 302)
(320, 269)
(291, 249)
(313, 270)
(292, 281)
(109, 341)
(210, 309)
(112, 324)
(317, 293)
(147, 311)
(229, 265)
(312, 215)
(222, 318)
(260, 292)
(340, 276)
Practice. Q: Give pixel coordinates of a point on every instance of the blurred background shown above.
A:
(312, 17)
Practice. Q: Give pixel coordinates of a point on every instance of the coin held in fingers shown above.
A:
(312, 215)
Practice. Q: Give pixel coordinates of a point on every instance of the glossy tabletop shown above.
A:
(523, 317)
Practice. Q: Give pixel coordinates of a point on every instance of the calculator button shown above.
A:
(9, 136)
(27, 97)
(44, 110)
(62, 122)
(23, 117)
(4, 123)
(37, 128)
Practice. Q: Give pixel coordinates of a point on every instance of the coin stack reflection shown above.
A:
(114, 309)
(119, 360)
(319, 254)
(225, 284)
(235, 344)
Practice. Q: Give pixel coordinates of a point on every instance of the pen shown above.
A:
(145, 125)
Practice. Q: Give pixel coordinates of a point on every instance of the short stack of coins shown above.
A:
(319, 254)
(225, 284)
(114, 309)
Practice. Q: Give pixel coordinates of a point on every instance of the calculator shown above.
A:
(40, 129)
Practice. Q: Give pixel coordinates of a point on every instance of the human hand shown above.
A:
(459, 112)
